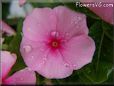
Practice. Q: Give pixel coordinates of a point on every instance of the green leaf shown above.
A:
(108, 30)
(101, 67)
(89, 76)
(73, 79)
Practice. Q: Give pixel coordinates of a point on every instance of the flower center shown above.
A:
(55, 44)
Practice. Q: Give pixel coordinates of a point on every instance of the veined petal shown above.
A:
(38, 25)
(79, 51)
(55, 67)
(70, 23)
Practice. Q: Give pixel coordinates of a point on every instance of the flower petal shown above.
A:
(33, 52)
(39, 24)
(54, 67)
(70, 22)
(79, 51)
(47, 65)
(106, 13)
(6, 28)
(22, 77)
(7, 61)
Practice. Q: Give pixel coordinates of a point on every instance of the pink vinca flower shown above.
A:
(24, 76)
(56, 42)
(106, 13)
(6, 28)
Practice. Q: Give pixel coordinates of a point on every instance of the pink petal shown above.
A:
(22, 77)
(54, 67)
(33, 52)
(106, 13)
(6, 28)
(7, 60)
(49, 66)
(79, 51)
(69, 22)
(22, 2)
(39, 24)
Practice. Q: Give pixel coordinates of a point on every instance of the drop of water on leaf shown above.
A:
(27, 48)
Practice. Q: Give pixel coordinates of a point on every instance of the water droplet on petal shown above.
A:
(42, 49)
(44, 58)
(32, 57)
(21, 79)
(27, 48)
(78, 18)
(67, 65)
(28, 29)
(21, 70)
(74, 20)
(74, 65)
(54, 33)
(29, 69)
(67, 34)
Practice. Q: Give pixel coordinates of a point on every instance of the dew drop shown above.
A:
(32, 57)
(28, 29)
(21, 79)
(44, 58)
(54, 33)
(66, 65)
(29, 69)
(42, 49)
(27, 48)
(78, 18)
(74, 65)
(67, 34)
(74, 20)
